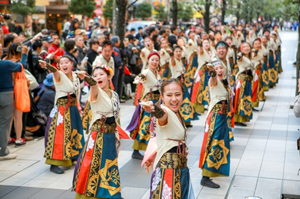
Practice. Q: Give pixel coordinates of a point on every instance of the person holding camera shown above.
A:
(55, 47)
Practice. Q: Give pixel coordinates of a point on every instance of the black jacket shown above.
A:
(91, 54)
(35, 69)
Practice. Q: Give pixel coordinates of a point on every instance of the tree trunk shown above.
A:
(120, 26)
(223, 11)
(207, 15)
(175, 11)
(298, 53)
(250, 17)
(238, 13)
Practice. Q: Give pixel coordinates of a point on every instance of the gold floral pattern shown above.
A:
(218, 154)
(246, 105)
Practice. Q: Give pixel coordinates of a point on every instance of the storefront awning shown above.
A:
(57, 9)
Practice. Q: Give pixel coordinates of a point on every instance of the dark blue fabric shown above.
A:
(6, 70)
(46, 101)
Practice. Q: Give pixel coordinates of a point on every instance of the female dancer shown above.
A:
(96, 174)
(257, 88)
(140, 122)
(265, 70)
(200, 94)
(165, 72)
(64, 134)
(215, 154)
(243, 88)
(149, 47)
(177, 69)
(171, 176)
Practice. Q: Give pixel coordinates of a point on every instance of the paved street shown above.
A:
(264, 158)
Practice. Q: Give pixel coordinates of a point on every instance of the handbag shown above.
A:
(32, 81)
(22, 100)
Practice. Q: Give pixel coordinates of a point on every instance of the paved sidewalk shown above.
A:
(264, 158)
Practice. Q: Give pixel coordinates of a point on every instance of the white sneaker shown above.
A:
(8, 157)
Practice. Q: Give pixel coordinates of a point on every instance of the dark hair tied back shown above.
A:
(170, 81)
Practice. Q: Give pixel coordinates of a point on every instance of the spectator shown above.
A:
(139, 34)
(22, 37)
(47, 42)
(118, 65)
(81, 48)
(17, 53)
(66, 29)
(91, 55)
(6, 105)
(72, 51)
(18, 28)
(105, 57)
(34, 66)
(8, 40)
(11, 26)
(133, 54)
(47, 95)
(56, 48)
(132, 31)
(73, 27)
(96, 31)
(156, 42)
(173, 36)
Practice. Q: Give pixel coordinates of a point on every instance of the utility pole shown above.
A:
(114, 18)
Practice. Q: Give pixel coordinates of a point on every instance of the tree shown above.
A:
(188, 13)
(198, 6)
(82, 7)
(108, 10)
(223, 10)
(160, 9)
(185, 12)
(174, 12)
(144, 10)
(23, 9)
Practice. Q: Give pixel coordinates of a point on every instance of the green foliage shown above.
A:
(23, 9)
(108, 10)
(253, 9)
(144, 10)
(187, 13)
(160, 9)
(82, 7)
(290, 10)
(184, 12)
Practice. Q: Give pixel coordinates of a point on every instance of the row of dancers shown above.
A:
(226, 80)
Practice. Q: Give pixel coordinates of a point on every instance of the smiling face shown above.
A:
(222, 52)
(264, 40)
(220, 71)
(245, 48)
(229, 42)
(101, 78)
(180, 42)
(177, 53)
(65, 65)
(173, 96)
(153, 62)
(205, 44)
(164, 44)
(256, 45)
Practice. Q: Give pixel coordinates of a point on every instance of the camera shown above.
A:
(6, 16)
